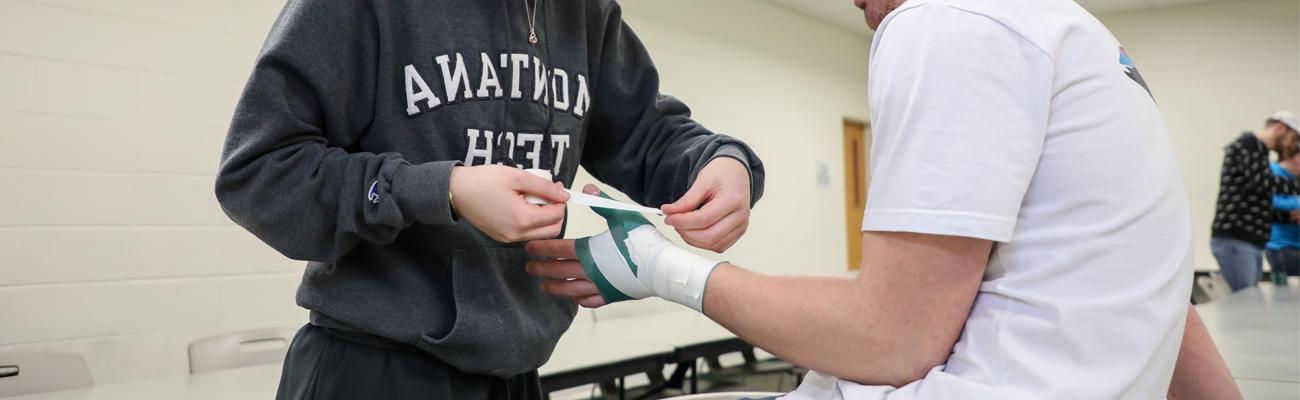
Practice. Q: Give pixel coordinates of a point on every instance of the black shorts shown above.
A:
(327, 364)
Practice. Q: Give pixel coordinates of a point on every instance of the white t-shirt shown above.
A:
(1023, 122)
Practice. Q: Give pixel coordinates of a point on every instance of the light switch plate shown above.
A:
(823, 175)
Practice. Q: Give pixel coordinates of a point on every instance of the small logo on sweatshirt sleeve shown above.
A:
(373, 193)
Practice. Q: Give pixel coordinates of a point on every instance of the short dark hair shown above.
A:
(1270, 122)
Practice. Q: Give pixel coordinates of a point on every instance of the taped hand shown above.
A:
(631, 260)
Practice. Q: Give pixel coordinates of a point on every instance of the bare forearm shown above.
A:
(826, 324)
(897, 320)
(809, 321)
(891, 325)
(1200, 372)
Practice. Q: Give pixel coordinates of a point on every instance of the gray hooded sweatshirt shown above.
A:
(341, 149)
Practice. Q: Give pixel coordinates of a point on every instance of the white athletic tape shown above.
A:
(674, 274)
(534, 199)
(583, 199)
(601, 202)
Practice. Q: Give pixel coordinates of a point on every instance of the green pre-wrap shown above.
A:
(620, 223)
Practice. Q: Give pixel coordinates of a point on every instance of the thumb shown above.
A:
(541, 187)
(595, 191)
(689, 201)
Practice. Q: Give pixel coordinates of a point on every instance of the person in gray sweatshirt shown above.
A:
(385, 142)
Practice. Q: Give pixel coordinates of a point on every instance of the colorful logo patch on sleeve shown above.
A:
(1131, 70)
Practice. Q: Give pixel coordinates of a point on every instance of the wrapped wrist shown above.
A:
(635, 264)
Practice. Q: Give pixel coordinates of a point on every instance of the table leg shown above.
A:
(695, 372)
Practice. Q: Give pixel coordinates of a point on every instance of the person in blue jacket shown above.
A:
(1283, 248)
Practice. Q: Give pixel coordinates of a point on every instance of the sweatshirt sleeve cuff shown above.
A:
(737, 153)
(421, 191)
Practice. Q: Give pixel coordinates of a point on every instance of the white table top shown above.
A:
(578, 348)
(673, 329)
(1258, 332)
(258, 382)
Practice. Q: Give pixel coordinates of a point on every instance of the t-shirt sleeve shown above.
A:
(960, 108)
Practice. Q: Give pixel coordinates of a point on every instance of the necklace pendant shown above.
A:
(532, 37)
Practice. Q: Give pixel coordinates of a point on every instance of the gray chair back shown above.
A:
(240, 349)
(24, 373)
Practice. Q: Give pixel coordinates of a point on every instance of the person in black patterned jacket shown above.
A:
(1244, 211)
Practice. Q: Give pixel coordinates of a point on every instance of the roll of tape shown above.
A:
(534, 199)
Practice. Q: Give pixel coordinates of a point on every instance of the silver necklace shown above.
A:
(532, 18)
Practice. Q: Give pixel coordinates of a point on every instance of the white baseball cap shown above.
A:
(1287, 118)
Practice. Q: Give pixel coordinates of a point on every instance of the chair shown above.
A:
(727, 396)
(240, 349)
(1210, 288)
(28, 373)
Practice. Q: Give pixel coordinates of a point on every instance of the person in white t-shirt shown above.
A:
(1028, 234)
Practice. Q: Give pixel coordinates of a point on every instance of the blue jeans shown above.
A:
(1241, 263)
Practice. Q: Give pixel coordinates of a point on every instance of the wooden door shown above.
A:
(857, 145)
